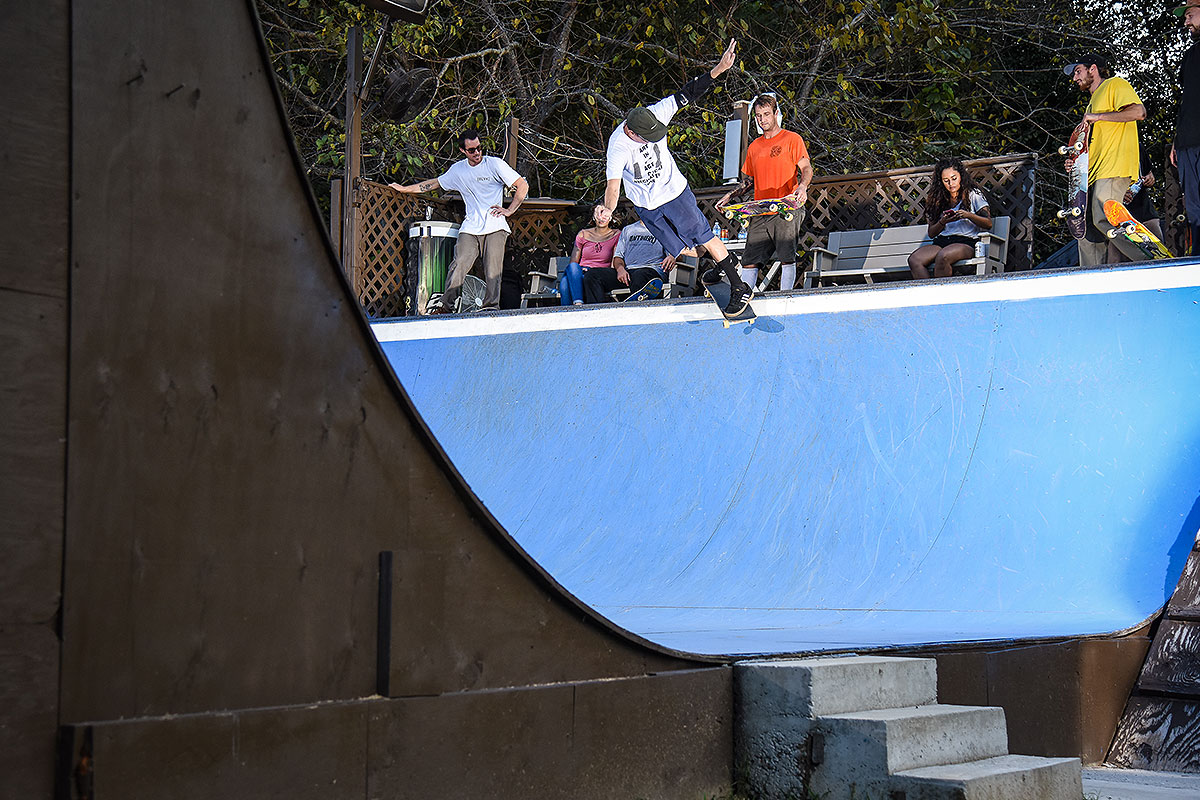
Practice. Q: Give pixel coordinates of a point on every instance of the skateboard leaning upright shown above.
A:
(1125, 225)
(719, 292)
(1076, 165)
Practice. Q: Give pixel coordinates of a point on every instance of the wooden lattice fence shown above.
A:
(897, 197)
(545, 228)
(385, 216)
(1174, 227)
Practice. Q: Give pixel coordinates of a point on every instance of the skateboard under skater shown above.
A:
(1076, 165)
(1137, 233)
(761, 208)
(719, 292)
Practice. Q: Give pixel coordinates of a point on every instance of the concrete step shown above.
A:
(869, 746)
(999, 778)
(815, 687)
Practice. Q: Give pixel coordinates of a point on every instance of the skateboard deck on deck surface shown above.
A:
(1134, 231)
(761, 208)
(719, 292)
(1076, 165)
(652, 290)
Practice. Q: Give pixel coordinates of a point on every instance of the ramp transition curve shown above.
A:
(996, 459)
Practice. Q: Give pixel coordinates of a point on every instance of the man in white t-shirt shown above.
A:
(638, 158)
(481, 181)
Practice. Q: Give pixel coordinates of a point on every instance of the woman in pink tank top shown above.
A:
(594, 247)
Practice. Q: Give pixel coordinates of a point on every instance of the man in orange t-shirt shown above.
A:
(777, 166)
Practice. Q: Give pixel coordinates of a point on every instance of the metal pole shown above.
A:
(353, 157)
(383, 34)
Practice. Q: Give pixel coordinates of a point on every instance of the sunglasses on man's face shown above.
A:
(476, 149)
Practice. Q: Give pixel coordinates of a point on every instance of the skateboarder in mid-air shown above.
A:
(777, 167)
(639, 158)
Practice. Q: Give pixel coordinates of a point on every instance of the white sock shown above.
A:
(787, 277)
(750, 275)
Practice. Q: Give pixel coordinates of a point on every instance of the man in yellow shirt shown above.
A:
(1113, 158)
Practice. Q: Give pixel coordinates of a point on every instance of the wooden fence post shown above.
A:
(353, 158)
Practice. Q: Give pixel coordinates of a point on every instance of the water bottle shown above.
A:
(716, 231)
(1135, 188)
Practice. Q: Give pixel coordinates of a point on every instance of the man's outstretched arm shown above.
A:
(695, 88)
(417, 188)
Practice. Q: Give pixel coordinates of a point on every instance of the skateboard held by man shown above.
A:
(1125, 225)
(783, 206)
(1076, 165)
(720, 292)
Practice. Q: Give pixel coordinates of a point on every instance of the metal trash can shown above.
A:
(431, 249)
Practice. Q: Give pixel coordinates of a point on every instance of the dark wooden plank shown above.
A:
(1158, 734)
(34, 240)
(1187, 590)
(302, 753)
(650, 736)
(32, 455)
(1073, 707)
(28, 710)
(1183, 613)
(35, 147)
(1173, 665)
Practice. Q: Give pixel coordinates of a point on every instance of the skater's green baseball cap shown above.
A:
(1181, 10)
(643, 122)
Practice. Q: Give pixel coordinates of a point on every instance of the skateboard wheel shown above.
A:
(1062, 151)
(1114, 233)
(789, 216)
(728, 215)
(772, 207)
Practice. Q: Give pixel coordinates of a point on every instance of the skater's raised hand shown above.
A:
(726, 59)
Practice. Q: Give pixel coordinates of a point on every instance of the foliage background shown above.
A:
(870, 85)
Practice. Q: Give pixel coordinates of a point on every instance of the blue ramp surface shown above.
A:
(972, 460)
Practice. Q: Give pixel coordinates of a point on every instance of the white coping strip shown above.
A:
(1032, 286)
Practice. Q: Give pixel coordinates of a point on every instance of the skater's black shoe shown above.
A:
(739, 298)
(711, 275)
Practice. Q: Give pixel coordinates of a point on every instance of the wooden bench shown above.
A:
(543, 286)
(867, 253)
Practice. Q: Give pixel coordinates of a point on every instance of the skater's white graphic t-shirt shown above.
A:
(481, 188)
(648, 170)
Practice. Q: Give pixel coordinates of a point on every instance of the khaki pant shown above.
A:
(466, 253)
(1093, 254)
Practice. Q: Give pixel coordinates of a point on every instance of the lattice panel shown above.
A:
(897, 197)
(385, 217)
(1174, 229)
(537, 230)
(383, 221)
(841, 202)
